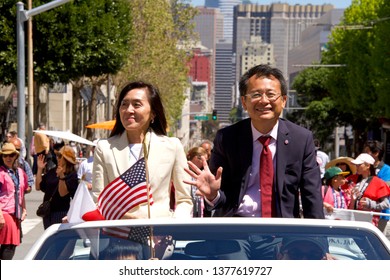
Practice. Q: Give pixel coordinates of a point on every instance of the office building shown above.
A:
(224, 79)
(277, 24)
(226, 7)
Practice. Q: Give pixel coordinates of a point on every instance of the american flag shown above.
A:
(125, 192)
(139, 234)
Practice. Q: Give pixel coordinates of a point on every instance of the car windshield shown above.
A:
(205, 242)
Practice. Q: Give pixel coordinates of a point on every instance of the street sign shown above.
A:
(201, 118)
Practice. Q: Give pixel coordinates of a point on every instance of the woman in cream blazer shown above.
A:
(140, 118)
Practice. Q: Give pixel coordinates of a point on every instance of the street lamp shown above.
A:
(21, 17)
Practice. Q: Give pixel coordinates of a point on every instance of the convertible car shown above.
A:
(212, 239)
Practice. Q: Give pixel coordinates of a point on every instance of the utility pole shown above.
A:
(30, 87)
(21, 17)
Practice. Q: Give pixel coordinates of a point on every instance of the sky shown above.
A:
(340, 4)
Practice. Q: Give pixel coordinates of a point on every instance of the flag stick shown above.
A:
(146, 155)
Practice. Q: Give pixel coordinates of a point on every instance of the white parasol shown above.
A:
(66, 135)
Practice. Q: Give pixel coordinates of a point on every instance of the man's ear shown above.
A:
(243, 102)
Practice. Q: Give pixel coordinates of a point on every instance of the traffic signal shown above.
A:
(214, 116)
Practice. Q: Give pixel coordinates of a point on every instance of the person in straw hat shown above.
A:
(59, 184)
(13, 182)
(24, 164)
(346, 165)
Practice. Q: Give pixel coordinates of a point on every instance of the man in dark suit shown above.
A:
(236, 191)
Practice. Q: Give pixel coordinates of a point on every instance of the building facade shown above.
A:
(226, 7)
(224, 80)
(277, 24)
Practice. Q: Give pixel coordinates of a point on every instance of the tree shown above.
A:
(82, 43)
(310, 85)
(83, 38)
(380, 62)
(79, 41)
(320, 115)
(209, 129)
(8, 50)
(354, 88)
(158, 51)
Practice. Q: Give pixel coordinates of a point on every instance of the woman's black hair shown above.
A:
(158, 124)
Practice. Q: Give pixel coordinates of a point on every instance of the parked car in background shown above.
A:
(211, 238)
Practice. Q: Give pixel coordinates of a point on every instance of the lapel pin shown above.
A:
(285, 142)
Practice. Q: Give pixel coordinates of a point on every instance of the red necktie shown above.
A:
(266, 177)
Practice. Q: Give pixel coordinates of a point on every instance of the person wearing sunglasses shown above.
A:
(13, 185)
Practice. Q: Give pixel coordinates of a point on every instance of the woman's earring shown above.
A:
(152, 121)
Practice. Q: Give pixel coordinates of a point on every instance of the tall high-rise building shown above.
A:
(209, 26)
(313, 43)
(277, 24)
(224, 80)
(256, 52)
(226, 7)
(201, 67)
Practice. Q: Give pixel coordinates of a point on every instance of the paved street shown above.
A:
(32, 226)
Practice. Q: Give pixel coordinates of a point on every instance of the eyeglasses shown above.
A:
(10, 155)
(271, 96)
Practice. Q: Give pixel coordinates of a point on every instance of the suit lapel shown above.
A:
(283, 146)
(121, 151)
(245, 145)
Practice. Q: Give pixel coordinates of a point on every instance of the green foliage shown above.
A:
(310, 85)
(380, 62)
(358, 86)
(358, 93)
(235, 114)
(354, 87)
(157, 51)
(323, 117)
(8, 48)
(82, 38)
(209, 129)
